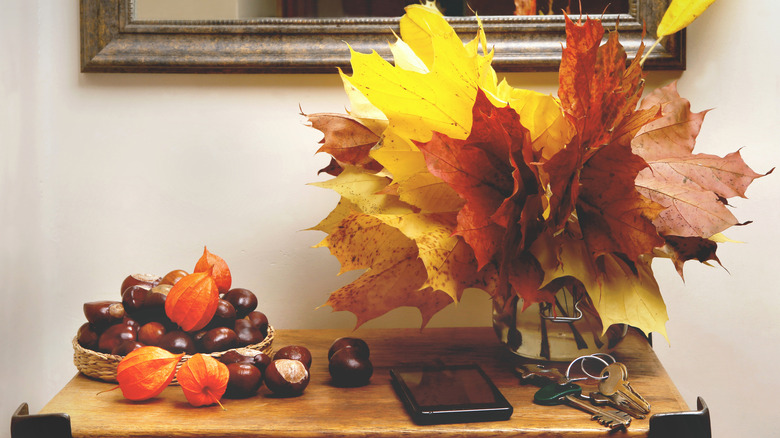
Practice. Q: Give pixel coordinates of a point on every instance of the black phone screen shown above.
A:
(443, 394)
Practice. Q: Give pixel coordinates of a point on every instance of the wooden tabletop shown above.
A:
(373, 410)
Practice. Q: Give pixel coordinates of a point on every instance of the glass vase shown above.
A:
(562, 331)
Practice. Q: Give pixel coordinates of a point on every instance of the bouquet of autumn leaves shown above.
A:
(451, 180)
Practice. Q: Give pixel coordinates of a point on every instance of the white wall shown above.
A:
(102, 175)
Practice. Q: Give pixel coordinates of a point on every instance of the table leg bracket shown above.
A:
(24, 425)
(692, 424)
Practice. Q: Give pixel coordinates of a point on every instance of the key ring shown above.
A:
(582, 360)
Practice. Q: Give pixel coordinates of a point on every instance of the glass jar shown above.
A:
(562, 331)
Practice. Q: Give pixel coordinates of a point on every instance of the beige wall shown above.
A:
(106, 174)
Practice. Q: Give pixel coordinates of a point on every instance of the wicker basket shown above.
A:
(102, 366)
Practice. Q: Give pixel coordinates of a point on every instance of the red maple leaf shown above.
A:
(502, 214)
(599, 94)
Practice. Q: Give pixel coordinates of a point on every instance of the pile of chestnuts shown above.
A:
(119, 327)
(285, 375)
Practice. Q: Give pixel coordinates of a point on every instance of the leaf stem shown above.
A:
(216, 400)
(108, 390)
(649, 51)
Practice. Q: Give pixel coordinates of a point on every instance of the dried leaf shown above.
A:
(480, 169)
(598, 93)
(449, 262)
(192, 301)
(682, 249)
(613, 216)
(680, 14)
(346, 139)
(693, 188)
(395, 274)
(203, 380)
(145, 372)
(220, 272)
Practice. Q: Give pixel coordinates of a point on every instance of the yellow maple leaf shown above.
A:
(362, 241)
(394, 275)
(680, 14)
(449, 262)
(417, 102)
(334, 218)
(429, 193)
(542, 115)
(362, 191)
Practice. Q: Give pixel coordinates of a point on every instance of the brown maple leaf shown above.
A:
(347, 140)
(682, 249)
(693, 188)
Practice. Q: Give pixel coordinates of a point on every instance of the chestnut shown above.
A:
(131, 322)
(143, 304)
(243, 324)
(102, 314)
(154, 306)
(147, 281)
(173, 277)
(218, 339)
(262, 360)
(295, 352)
(233, 356)
(244, 380)
(161, 289)
(150, 333)
(347, 369)
(87, 337)
(249, 336)
(225, 316)
(242, 299)
(126, 347)
(259, 320)
(286, 377)
(360, 346)
(133, 298)
(115, 335)
(177, 341)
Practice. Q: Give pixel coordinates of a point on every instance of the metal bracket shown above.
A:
(24, 425)
(692, 424)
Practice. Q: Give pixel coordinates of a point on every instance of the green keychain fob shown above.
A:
(552, 394)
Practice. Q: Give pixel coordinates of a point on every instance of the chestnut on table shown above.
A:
(325, 409)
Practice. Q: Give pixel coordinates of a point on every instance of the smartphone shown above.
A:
(436, 394)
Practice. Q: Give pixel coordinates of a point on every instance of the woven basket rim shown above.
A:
(103, 365)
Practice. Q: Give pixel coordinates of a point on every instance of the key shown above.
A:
(615, 386)
(556, 394)
(599, 399)
(540, 375)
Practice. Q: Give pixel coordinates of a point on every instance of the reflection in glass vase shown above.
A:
(562, 331)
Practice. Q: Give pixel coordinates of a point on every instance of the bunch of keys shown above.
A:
(614, 391)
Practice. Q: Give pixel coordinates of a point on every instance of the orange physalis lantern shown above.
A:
(221, 271)
(192, 301)
(203, 380)
(145, 372)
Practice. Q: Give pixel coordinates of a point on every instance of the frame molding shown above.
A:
(113, 42)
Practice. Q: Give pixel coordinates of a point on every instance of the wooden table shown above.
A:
(373, 410)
